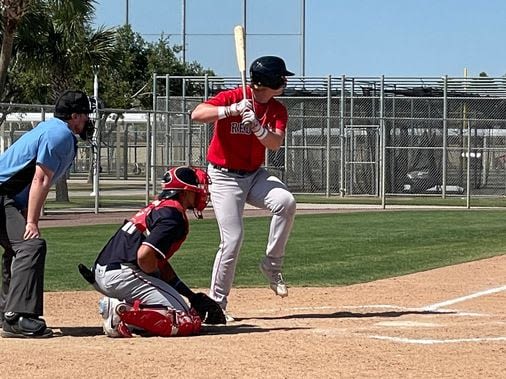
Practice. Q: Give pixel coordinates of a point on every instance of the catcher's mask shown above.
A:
(269, 71)
(89, 127)
(185, 178)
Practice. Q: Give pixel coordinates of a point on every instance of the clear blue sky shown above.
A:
(350, 37)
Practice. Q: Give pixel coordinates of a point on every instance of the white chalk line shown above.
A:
(489, 291)
(437, 307)
(438, 341)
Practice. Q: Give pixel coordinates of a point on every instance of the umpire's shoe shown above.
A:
(24, 326)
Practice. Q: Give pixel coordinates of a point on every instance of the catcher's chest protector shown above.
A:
(139, 220)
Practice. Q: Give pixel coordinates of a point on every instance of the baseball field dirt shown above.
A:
(448, 322)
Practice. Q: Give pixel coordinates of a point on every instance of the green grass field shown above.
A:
(138, 201)
(324, 249)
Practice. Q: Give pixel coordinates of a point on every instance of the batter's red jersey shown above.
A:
(233, 145)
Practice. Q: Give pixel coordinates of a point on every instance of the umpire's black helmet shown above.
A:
(269, 71)
(72, 102)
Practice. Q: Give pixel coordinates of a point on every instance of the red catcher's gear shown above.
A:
(163, 322)
(139, 220)
(188, 179)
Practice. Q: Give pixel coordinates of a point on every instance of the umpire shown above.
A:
(28, 168)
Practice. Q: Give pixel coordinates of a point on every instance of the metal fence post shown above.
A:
(351, 142)
(445, 134)
(383, 141)
(189, 131)
(342, 109)
(153, 137)
(148, 156)
(468, 168)
(329, 130)
(96, 146)
(168, 129)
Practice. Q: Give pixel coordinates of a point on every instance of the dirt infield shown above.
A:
(448, 322)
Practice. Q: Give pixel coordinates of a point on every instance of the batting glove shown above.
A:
(235, 109)
(249, 118)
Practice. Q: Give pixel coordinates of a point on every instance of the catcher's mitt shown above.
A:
(209, 310)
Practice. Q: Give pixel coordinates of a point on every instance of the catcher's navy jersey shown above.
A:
(166, 225)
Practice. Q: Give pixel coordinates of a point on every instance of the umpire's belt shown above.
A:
(232, 171)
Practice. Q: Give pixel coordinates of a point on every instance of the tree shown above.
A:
(12, 13)
(127, 82)
(63, 52)
(55, 48)
(126, 76)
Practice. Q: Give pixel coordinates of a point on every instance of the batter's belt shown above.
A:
(232, 170)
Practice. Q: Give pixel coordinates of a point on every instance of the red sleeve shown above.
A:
(226, 97)
(280, 116)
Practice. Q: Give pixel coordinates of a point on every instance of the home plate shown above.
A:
(408, 324)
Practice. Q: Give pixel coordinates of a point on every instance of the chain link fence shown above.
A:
(379, 137)
(375, 137)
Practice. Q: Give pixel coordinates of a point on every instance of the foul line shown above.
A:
(433, 342)
(464, 298)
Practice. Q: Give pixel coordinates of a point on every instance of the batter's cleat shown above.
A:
(112, 325)
(228, 317)
(17, 326)
(276, 281)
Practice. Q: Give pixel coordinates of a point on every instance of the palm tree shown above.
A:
(12, 13)
(63, 48)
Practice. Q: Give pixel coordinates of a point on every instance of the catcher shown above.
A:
(143, 294)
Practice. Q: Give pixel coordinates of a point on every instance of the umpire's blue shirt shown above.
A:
(51, 144)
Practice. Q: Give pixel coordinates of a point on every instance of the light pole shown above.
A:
(303, 39)
(183, 31)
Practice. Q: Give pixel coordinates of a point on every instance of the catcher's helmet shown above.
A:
(269, 71)
(184, 178)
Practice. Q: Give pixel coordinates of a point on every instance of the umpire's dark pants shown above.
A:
(22, 264)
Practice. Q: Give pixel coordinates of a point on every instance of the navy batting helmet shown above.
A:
(269, 71)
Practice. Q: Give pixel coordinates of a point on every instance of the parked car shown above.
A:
(422, 181)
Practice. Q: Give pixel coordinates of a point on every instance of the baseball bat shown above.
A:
(240, 52)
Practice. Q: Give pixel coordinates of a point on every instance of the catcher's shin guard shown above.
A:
(161, 322)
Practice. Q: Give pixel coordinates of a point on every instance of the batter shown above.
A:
(243, 130)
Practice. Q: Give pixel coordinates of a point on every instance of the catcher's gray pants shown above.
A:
(129, 283)
(229, 194)
(23, 264)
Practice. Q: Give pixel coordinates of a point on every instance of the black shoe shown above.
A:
(16, 326)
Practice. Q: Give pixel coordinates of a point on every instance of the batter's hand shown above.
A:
(249, 117)
(237, 109)
(31, 231)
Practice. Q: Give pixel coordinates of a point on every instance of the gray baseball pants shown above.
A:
(129, 283)
(229, 194)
